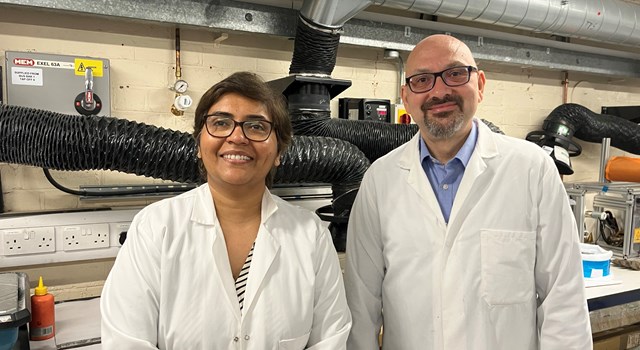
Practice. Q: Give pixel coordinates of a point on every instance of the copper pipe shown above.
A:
(178, 68)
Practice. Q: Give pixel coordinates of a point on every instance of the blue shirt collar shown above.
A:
(464, 154)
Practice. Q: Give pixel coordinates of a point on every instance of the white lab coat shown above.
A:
(504, 273)
(171, 285)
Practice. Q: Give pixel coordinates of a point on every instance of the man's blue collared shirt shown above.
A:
(445, 178)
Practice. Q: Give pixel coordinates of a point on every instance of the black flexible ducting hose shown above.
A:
(68, 142)
(593, 127)
(375, 139)
(322, 159)
(315, 49)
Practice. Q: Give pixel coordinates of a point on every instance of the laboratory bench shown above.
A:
(614, 311)
(611, 307)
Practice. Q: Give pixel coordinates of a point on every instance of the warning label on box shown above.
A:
(81, 65)
(26, 76)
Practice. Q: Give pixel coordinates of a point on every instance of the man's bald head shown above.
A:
(443, 43)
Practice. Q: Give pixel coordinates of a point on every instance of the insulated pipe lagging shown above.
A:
(593, 127)
(315, 49)
(67, 142)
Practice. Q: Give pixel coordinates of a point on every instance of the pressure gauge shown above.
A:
(180, 86)
(182, 102)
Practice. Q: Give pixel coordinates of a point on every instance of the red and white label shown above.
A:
(29, 62)
(23, 62)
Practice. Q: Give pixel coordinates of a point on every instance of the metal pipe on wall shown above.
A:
(395, 55)
(612, 21)
(604, 158)
(565, 86)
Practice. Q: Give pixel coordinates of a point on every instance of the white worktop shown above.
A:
(630, 280)
(80, 320)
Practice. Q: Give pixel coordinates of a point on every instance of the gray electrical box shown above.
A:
(59, 83)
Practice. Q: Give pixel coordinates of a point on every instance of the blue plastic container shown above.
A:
(595, 261)
(8, 337)
(593, 269)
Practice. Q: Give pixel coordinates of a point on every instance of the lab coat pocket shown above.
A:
(507, 266)
(298, 343)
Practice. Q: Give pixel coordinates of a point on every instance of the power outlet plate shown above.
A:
(24, 241)
(80, 237)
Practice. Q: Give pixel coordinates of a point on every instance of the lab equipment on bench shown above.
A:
(616, 209)
(15, 310)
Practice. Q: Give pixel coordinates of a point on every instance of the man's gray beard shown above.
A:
(440, 131)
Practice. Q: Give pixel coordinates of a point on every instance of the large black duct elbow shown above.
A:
(67, 142)
(322, 159)
(572, 119)
(593, 127)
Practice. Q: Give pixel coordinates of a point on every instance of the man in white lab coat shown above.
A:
(462, 238)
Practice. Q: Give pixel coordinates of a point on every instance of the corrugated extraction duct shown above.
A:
(611, 21)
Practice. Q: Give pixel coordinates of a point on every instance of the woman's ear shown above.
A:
(276, 162)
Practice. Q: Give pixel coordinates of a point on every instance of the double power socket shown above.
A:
(23, 241)
(48, 238)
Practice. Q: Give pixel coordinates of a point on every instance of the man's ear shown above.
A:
(481, 82)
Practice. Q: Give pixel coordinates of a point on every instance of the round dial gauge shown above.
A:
(180, 86)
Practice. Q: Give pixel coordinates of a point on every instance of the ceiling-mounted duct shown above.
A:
(611, 21)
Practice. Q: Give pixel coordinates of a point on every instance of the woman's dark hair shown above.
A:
(251, 86)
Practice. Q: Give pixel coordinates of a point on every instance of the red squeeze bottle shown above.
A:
(43, 324)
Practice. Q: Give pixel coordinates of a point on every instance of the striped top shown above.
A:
(241, 281)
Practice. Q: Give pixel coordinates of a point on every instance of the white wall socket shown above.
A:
(28, 241)
(79, 237)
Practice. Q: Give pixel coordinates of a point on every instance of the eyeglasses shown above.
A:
(455, 76)
(254, 130)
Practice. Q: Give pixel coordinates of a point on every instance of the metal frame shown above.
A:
(576, 198)
(622, 196)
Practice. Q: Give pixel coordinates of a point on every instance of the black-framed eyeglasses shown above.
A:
(254, 130)
(455, 76)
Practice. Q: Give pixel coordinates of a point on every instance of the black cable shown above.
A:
(116, 192)
(608, 229)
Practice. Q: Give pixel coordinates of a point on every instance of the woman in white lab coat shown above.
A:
(228, 265)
